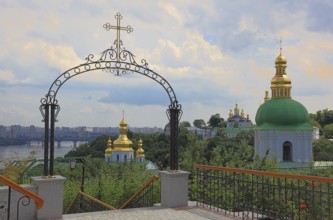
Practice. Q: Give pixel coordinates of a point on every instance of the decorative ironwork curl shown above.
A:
(24, 201)
(3, 209)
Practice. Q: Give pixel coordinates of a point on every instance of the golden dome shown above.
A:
(280, 59)
(230, 113)
(122, 143)
(242, 113)
(236, 107)
(108, 150)
(140, 151)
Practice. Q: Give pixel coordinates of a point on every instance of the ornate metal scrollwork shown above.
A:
(24, 201)
(108, 62)
(3, 209)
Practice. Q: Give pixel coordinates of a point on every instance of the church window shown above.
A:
(125, 157)
(287, 151)
(117, 157)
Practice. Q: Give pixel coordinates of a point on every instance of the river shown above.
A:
(23, 151)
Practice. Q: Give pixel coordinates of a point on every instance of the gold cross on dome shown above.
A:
(128, 29)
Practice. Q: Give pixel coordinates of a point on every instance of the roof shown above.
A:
(282, 114)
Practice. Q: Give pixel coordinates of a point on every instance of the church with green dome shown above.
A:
(282, 123)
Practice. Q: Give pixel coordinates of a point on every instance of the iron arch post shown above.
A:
(174, 115)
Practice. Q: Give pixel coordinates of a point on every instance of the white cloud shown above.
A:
(213, 55)
(7, 76)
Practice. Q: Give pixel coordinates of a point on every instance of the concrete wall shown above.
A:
(27, 210)
(50, 189)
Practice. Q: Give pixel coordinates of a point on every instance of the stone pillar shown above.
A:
(51, 190)
(174, 188)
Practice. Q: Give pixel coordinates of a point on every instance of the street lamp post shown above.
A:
(82, 180)
(72, 165)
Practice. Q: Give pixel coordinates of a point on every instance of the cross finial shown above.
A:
(280, 45)
(128, 29)
(123, 113)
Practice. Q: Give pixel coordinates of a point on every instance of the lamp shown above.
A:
(72, 164)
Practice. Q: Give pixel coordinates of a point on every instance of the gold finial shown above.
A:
(266, 96)
(230, 113)
(247, 116)
(123, 113)
(242, 113)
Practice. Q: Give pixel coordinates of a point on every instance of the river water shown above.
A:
(23, 151)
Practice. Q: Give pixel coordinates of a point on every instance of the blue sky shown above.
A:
(213, 53)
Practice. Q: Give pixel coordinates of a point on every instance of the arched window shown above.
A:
(117, 157)
(125, 157)
(287, 151)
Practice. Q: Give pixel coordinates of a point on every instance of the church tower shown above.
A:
(108, 152)
(282, 123)
(237, 122)
(122, 150)
(140, 153)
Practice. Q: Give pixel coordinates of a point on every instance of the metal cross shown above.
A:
(108, 27)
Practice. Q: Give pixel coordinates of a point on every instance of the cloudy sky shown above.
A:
(213, 53)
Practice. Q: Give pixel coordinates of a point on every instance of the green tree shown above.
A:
(216, 121)
(14, 168)
(248, 136)
(322, 150)
(193, 156)
(221, 133)
(199, 123)
(328, 130)
(314, 123)
(185, 124)
(323, 117)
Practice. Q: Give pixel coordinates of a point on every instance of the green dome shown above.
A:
(282, 114)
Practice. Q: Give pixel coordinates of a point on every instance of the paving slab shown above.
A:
(151, 213)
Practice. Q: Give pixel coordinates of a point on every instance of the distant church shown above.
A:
(283, 123)
(121, 150)
(237, 122)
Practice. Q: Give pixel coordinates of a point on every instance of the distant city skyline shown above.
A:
(214, 55)
(34, 132)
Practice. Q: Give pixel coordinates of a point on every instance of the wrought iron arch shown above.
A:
(108, 62)
(118, 61)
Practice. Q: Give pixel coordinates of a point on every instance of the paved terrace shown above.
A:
(152, 213)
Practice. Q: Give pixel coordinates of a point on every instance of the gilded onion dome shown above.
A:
(122, 143)
(236, 109)
(108, 150)
(140, 152)
(231, 114)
